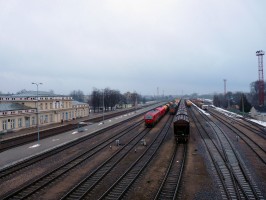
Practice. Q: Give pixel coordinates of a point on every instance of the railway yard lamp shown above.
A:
(37, 84)
(103, 106)
(243, 104)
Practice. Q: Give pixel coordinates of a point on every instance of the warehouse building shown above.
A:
(20, 111)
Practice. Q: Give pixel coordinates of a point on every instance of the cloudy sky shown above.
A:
(179, 46)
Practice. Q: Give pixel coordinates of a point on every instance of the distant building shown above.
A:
(258, 113)
(20, 111)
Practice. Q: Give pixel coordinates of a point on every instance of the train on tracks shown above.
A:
(200, 104)
(188, 103)
(173, 106)
(181, 124)
(152, 117)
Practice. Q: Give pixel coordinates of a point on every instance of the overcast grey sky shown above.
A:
(176, 45)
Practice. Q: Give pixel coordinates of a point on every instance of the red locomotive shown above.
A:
(162, 111)
(152, 117)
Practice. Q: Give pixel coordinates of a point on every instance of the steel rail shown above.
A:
(80, 190)
(234, 162)
(225, 177)
(255, 147)
(122, 185)
(36, 158)
(172, 179)
(33, 186)
(256, 127)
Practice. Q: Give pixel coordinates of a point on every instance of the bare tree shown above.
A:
(77, 95)
(111, 98)
(22, 91)
(95, 99)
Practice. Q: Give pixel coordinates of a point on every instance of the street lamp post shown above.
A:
(103, 106)
(37, 84)
(243, 104)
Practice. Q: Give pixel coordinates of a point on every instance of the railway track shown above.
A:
(122, 185)
(247, 124)
(33, 186)
(86, 186)
(135, 164)
(16, 141)
(34, 159)
(172, 180)
(234, 181)
(254, 145)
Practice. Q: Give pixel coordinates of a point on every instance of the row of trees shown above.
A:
(242, 101)
(231, 100)
(112, 99)
(108, 98)
(77, 95)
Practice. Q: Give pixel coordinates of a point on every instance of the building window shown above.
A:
(51, 117)
(57, 104)
(46, 119)
(20, 122)
(4, 124)
(46, 106)
(33, 121)
(41, 107)
(41, 119)
(12, 123)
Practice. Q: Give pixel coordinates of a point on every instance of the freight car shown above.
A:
(188, 103)
(198, 103)
(173, 107)
(152, 117)
(204, 107)
(181, 124)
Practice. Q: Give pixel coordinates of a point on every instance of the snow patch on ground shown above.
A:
(258, 122)
(34, 146)
(228, 113)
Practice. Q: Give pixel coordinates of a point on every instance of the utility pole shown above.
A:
(157, 93)
(260, 54)
(37, 98)
(103, 106)
(225, 87)
(243, 104)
